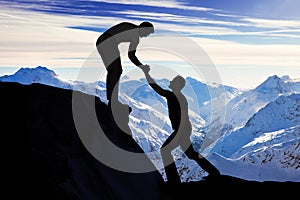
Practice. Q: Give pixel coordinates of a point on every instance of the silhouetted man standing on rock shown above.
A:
(107, 46)
(178, 114)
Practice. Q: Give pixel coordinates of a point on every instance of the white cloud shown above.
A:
(10, 16)
(31, 39)
(178, 18)
(230, 53)
(227, 15)
(284, 28)
(163, 3)
(272, 23)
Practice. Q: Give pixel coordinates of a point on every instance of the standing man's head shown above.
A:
(177, 83)
(145, 29)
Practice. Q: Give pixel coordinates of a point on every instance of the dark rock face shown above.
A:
(40, 123)
(46, 159)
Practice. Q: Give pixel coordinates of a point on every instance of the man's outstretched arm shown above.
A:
(153, 84)
(134, 59)
(132, 56)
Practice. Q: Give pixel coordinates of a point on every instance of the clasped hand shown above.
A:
(145, 68)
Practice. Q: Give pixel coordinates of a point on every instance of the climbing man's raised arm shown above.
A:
(153, 84)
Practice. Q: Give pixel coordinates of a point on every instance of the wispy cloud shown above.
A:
(178, 18)
(31, 38)
(272, 23)
(192, 25)
(222, 14)
(236, 54)
(155, 3)
(223, 24)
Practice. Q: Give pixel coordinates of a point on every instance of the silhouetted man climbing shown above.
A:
(178, 114)
(107, 46)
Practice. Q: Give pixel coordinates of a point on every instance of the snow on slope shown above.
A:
(273, 156)
(268, 146)
(279, 138)
(273, 163)
(282, 113)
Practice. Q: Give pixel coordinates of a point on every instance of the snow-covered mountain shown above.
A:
(198, 94)
(283, 113)
(203, 97)
(270, 139)
(270, 162)
(259, 129)
(37, 75)
(242, 107)
(251, 101)
(46, 76)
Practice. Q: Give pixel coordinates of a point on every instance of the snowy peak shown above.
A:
(292, 83)
(38, 70)
(40, 75)
(30, 75)
(274, 84)
(241, 108)
(286, 78)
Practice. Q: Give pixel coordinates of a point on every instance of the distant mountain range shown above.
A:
(253, 134)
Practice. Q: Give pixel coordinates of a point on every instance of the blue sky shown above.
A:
(246, 40)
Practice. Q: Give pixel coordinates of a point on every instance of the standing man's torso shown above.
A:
(124, 32)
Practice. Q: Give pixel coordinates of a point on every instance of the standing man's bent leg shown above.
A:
(110, 54)
(114, 72)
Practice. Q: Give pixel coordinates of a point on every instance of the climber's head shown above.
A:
(145, 29)
(177, 83)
